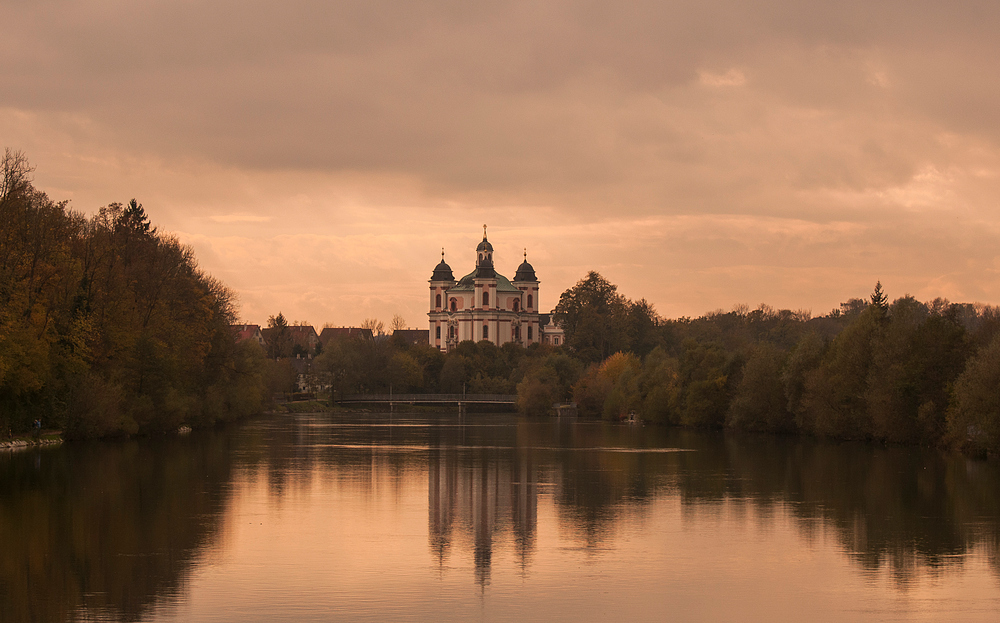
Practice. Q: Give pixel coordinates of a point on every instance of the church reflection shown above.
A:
(476, 495)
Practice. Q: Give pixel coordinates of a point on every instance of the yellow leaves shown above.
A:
(619, 364)
(24, 359)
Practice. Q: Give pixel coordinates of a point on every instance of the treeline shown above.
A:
(107, 327)
(905, 372)
(376, 365)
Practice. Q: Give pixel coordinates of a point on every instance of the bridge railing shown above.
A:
(456, 398)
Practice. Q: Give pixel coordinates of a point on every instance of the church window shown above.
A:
(438, 301)
(555, 341)
(454, 305)
(529, 332)
(517, 305)
(530, 302)
(437, 332)
(517, 333)
(486, 331)
(486, 299)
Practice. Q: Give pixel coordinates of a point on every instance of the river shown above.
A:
(433, 517)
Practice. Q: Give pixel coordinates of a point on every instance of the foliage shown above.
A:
(598, 321)
(974, 416)
(867, 370)
(759, 402)
(107, 327)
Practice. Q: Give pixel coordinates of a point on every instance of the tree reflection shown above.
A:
(109, 530)
(106, 529)
(898, 509)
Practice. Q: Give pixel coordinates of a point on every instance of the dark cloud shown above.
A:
(881, 115)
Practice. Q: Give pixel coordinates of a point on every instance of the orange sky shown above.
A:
(317, 155)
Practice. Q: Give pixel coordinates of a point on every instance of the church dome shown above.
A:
(442, 272)
(525, 272)
(484, 245)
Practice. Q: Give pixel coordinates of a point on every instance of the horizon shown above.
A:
(317, 156)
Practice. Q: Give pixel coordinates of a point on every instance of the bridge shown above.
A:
(462, 400)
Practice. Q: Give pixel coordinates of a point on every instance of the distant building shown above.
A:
(248, 332)
(343, 333)
(551, 332)
(483, 305)
(302, 339)
(305, 337)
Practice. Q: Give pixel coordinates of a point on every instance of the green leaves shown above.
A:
(598, 321)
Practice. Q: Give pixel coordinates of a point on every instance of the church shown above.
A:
(484, 305)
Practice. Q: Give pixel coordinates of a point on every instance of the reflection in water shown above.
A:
(105, 530)
(481, 490)
(123, 531)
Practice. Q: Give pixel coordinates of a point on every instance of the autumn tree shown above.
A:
(108, 327)
(593, 315)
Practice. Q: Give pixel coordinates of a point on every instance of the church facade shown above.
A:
(483, 305)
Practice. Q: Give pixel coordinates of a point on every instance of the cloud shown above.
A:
(240, 218)
(701, 153)
(732, 78)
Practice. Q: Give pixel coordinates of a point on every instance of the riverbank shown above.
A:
(22, 443)
(323, 406)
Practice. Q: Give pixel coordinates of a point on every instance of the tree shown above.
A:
(660, 388)
(107, 327)
(404, 372)
(974, 417)
(15, 175)
(759, 402)
(622, 370)
(134, 220)
(833, 396)
(279, 343)
(397, 324)
(879, 299)
(374, 325)
(536, 391)
(705, 378)
(594, 318)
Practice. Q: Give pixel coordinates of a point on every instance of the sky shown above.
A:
(318, 155)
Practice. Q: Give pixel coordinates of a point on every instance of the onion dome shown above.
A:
(525, 272)
(485, 244)
(484, 259)
(442, 272)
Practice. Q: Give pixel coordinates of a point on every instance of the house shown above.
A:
(344, 333)
(552, 333)
(301, 340)
(245, 332)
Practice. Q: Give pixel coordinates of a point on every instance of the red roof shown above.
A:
(246, 331)
(340, 333)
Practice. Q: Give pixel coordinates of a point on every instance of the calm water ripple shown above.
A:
(379, 517)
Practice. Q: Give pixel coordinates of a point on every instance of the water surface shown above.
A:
(375, 517)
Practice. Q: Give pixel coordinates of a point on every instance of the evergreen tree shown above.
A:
(879, 299)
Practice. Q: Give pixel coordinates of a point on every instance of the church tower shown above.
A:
(441, 280)
(526, 281)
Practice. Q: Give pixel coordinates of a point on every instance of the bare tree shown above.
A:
(397, 323)
(15, 174)
(376, 326)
